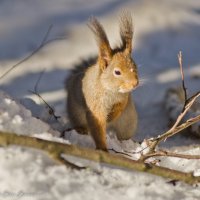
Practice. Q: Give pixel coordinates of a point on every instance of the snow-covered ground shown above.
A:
(162, 28)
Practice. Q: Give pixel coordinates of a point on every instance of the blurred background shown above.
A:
(161, 29)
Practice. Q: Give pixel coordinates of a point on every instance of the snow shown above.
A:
(183, 164)
(45, 180)
(162, 28)
(196, 172)
(16, 118)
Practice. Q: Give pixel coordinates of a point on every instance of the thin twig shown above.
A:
(38, 81)
(35, 92)
(120, 152)
(42, 44)
(46, 35)
(182, 75)
(51, 110)
(172, 131)
(153, 143)
(161, 153)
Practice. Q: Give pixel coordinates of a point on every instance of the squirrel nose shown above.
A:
(135, 82)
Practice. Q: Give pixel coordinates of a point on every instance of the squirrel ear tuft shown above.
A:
(105, 51)
(126, 31)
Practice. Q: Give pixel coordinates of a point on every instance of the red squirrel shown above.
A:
(99, 91)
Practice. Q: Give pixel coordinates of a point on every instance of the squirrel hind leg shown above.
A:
(81, 130)
(79, 123)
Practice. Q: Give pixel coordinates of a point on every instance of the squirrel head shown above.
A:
(118, 71)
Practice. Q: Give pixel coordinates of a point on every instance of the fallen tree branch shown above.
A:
(55, 150)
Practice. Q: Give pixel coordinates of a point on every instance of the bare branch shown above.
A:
(51, 110)
(176, 128)
(120, 152)
(161, 153)
(188, 123)
(35, 92)
(42, 44)
(182, 74)
(155, 141)
(55, 148)
(38, 81)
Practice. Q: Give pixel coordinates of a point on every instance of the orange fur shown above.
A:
(99, 97)
(116, 111)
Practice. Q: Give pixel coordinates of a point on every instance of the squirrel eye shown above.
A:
(117, 72)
